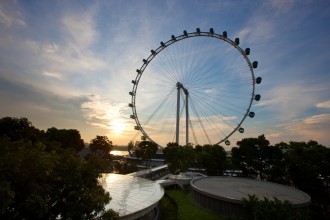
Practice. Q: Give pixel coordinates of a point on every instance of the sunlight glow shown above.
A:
(117, 126)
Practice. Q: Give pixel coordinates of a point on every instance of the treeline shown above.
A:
(42, 175)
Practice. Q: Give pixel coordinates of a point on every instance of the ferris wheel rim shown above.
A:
(173, 40)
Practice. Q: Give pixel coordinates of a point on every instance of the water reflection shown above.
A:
(119, 152)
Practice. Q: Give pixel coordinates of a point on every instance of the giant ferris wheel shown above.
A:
(195, 88)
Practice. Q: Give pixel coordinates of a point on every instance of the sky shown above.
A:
(69, 64)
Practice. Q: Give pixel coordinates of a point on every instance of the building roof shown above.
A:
(233, 189)
(132, 197)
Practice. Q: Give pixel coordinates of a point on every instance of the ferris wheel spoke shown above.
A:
(158, 107)
(205, 73)
(216, 115)
(201, 124)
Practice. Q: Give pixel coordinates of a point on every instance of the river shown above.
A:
(119, 152)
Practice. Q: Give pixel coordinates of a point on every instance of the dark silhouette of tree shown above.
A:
(255, 156)
(19, 129)
(308, 167)
(43, 180)
(99, 155)
(146, 150)
(271, 209)
(172, 157)
(212, 158)
(101, 145)
(66, 138)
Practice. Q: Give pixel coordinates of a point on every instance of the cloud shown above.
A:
(314, 127)
(50, 48)
(80, 29)
(10, 15)
(42, 108)
(318, 119)
(101, 112)
(282, 5)
(289, 101)
(53, 75)
(325, 104)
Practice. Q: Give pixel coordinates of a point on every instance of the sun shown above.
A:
(117, 126)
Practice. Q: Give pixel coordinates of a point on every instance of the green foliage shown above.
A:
(187, 209)
(271, 209)
(99, 155)
(255, 156)
(43, 181)
(308, 167)
(168, 208)
(172, 157)
(146, 150)
(212, 158)
(305, 165)
(18, 129)
(66, 138)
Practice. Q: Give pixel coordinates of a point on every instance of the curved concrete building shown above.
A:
(132, 197)
(224, 194)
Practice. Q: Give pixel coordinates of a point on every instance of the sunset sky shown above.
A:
(69, 64)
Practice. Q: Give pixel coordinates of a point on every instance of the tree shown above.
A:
(172, 157)
(40, 179)
(19, 129)
(130, 147)
(256, 209)
(101, 145)
(146, 150)
(212, 158)
(40, 184)
(255, 156)
(66, 138)
(179, 158)
(308, 166)
(187, 157)
(99, 155)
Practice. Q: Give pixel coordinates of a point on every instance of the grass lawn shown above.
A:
(186, 208)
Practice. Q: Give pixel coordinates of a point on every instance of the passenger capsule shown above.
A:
(153, 52)
(173, 38)
(138, 71)
(132, 116)
(255, 64)
(257, 97)
(241, 130)
(130, 105)
(251, 114)
(162, 44)
(136, 127)
(211, 31)
(185, 33)
(227, 142)
(198, 30)
(134, 82)
(131, 93)
(258, 80)
(145, 61)
(143, 138)
(224, 34)
(237, 41)
(247, 51)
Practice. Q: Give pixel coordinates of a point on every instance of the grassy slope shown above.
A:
(187, 209)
